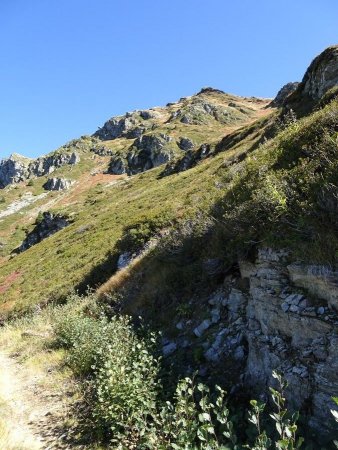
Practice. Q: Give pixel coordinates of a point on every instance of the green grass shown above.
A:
(281, 194)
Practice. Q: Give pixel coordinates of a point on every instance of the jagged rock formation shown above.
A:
(17, 168)
(147, 152)
(13, 170)
(132, 125)
(47, 164)
(47, 226)
(322, 74)
(319, 79)
(189, 160)
(57, 184)
(284, 93)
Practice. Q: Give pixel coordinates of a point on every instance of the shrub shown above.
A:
(128, 401)
(123, 374)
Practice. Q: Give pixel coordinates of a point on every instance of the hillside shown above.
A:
(214, 219)
(101, 196)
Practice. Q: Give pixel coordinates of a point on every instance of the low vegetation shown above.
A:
(120, 374)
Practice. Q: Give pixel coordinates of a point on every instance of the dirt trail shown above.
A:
(27, 420)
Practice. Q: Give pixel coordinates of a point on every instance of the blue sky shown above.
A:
(66, 66)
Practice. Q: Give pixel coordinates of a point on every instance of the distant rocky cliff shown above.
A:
(17, 168)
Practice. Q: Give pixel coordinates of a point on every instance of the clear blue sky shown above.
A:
(66, 66)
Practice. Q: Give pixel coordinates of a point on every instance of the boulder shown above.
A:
(57, 184)
(47, 226)
(185, 144)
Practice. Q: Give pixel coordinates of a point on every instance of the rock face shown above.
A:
(322, 74)
(273, 316)
(45, 165)
(283, 93)
(320, 77)
(17, 168)
(13, 170)
(189, 160)
(147, 152)
(57, 184)
(131, 126)
(50, 224)
(296, 335)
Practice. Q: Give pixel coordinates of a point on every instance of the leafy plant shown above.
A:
(286, 425)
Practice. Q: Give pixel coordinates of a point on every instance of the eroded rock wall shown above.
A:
(275, 315)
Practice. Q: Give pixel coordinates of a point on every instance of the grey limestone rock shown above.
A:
(185, 144)
(49, 224)
(13, 170)
(147, 152)
(283, 93)
(57, 184)
(17, 168)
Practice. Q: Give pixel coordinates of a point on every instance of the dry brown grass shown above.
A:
(120, 278)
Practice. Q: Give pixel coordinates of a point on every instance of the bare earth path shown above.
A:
(27, 412)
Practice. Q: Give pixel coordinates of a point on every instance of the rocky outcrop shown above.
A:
(131, 125)
(57, 184)
(272, 316)
(118, 165)
(199, 111)
(185, 144)
(210, 90)
(13, 170)
(189, 160)
(17, 168)
(48, 225)
(48, 164)
(320, 77)
(296, 334)
(322, 74)
(283, 94)
(147, 152)
(116, 127)
(101, 150)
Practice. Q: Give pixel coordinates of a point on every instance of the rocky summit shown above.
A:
(196, 240)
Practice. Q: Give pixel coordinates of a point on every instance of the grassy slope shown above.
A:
(101, 206)
(283, 193)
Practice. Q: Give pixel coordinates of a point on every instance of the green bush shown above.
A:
(123, 374)
(128, 402)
